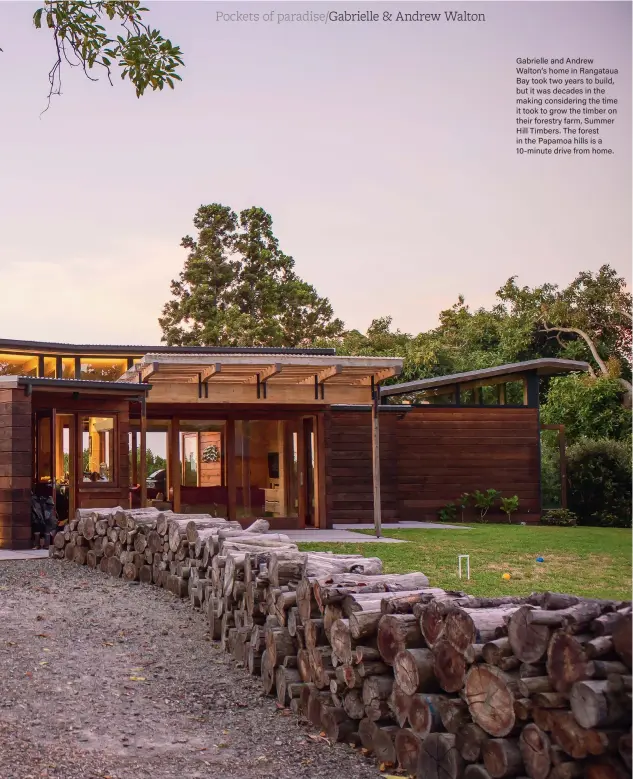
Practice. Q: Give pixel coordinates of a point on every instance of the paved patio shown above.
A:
(23, 554)
(336, 536)
(344, 534)
(403, 526)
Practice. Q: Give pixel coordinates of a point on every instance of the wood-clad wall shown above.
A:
(16, 456)
(430, 456)
(444, 452)
(348, 466)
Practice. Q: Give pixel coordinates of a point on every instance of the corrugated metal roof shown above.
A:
(175, 367)
(342, 359)
(543, 367)
(138, 350)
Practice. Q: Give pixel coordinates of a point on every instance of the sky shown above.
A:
(385, 153)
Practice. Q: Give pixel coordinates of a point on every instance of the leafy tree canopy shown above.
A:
(238, 288)
(589, 407)
(422, 354)
(111, 35)
(590, 320)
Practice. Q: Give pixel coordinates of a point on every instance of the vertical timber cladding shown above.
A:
(16, 453)
(348, 464)
(444, 452)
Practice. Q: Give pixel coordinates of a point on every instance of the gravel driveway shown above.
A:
(101, 678)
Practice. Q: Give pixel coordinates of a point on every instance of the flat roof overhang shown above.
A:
(542, 367)
(275, 368)
(74, 385)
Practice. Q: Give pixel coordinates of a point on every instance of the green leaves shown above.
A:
(148, 60)
(510, 506)
(596, 304)
(599, 476)
(484, 501)
(238, 288)
(588, 407)
(142, 55)
(448, 513)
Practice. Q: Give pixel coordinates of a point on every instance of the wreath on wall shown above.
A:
(211, 454)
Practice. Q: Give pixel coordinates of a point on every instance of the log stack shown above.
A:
(433, 682)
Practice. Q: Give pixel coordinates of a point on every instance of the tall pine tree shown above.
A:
(238, 288)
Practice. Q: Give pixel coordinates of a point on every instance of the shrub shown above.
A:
(484, 501)
(509, 506)
(599, 477)
(447, 513)
(559, 517)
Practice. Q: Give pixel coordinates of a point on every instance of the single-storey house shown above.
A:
(304, 437)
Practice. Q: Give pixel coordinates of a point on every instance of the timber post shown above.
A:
(142, 470)
(375, 448)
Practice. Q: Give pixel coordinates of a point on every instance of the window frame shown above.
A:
(97, 485)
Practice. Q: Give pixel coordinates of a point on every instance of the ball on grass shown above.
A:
(540, 560)
(506, 576)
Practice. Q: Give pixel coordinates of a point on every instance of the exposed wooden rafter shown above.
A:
(148, 370)
(379, 375)
(323, 376)
(264, 374)
(207, 373)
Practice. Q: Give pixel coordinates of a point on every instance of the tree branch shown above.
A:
(592, 347)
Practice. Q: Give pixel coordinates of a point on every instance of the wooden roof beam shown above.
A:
(264, 374)
(381, 375)
(207, 373)
(323, 376)
(147, 371)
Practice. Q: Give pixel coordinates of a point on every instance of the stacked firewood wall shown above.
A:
(435, 683)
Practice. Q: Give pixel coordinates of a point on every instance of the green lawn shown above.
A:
(586, 561)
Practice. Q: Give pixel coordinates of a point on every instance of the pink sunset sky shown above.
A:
(384, 152)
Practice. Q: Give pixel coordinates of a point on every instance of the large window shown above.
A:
(98, 448)
(514, 393)
(50, 367)
(266, 467)
(503, 393)
(100, 369)
(68, 368)
(441, 396)
(18, 365)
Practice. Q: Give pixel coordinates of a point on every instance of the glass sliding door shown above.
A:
(266, 468)
(203, 467)
(157, 474)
